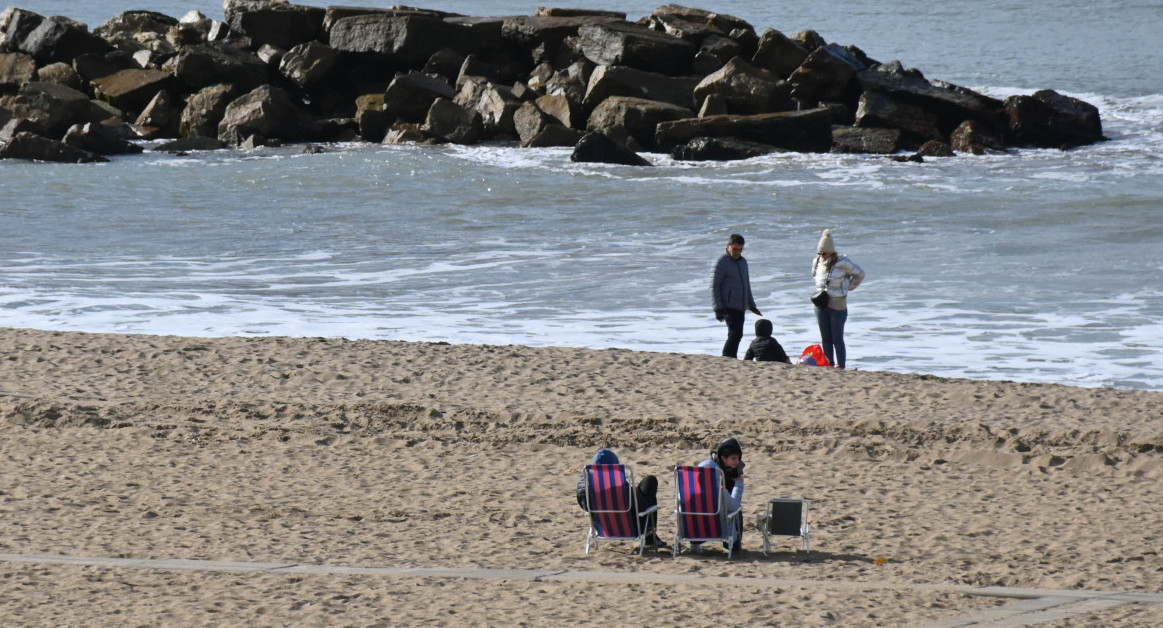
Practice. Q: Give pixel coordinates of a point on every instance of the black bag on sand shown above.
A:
(820, 299)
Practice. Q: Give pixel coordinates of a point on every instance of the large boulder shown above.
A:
(804, 131)
(597, 148)
(715, 52)
(62, 74)
(564, 110)
(884, 111)
(283, 26)
(407, 40)
(977, 138)
(1048, 119)
(267, 112)
(61, 39)
(636, 46)
(94, 66)
(697, 24)
(495, 103)
(205, 109)
(37, 148)
(633, 121)
(529, 120)
(101, 139)
(951, 104)
(779, 54)
(49, 107)
(449, 122)
(196, 67)
(721, 149)
(873, 141)
(555, 135)
(160, 118)
(746, 89)
(309, 65)
(548, 32)
(132, 90)
(15, 26)
(615, 80)
(826, 76)
(409, 96)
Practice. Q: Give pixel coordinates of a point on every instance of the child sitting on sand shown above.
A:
(765, 348)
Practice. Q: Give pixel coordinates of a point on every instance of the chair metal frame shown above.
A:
(767, 519)
(616, 517)
(699, 516)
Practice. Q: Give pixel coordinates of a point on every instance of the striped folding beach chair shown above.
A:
(613, 506)
(701, 508)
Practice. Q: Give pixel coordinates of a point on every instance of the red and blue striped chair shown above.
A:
(701, 508)
(611, 501)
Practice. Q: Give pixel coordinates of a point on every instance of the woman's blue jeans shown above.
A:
(832, 334)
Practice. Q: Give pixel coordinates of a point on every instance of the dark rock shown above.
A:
(1048, 119)
(714, 53)
(476, 66)
(810, 40)
(284, 26)
(15, 126)
(196, 67)
(881, 110)
(187, 144)
(52, 108)
(94, 66)
(529, 32)
(623, 117)
(977, 138)
(272, 56)
(951, 104)
(61, 39)
(873, 141)
(267, 112)
(825, 75)
(15, 26)
(449, 122)
(597, 148)
(778, 54)
(805, 131)
(934, 148)
(555, 135)
(309, 65)
(636, 46)
(404, 133)
(100, 139)
(205, 109)
(371, 118)
(409, 96)
(721, 149)
(746, 89)
(445, 63)
(556, 12)
(613, 80)
(160, 118)
(571, 81)
(914, 158)
(713, 105)
(38, 148)
(131, 90)
(697, 24)
(332, 130)
(16, 69)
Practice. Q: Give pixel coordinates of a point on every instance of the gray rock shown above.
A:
(555, 135)
(621, 116)
(637, 47)
(61, 74)
(160, 118)
(565, 111)
(128, 30)
(529, 120)
(805, 131)
(202, 66)
(977, 138)
(613, 80)
(779, 54)
(16, 69)
(873, 141)
(61, 39)
(50, 107)
(881, 110)
(131, 90)
(449, 122)
(37, 148)
(951, 104)
(281, 25)
(205, 109)
(746, 89)
(826, 75)
(101, 139)
(187, 144)
(267, 112)
(495, 103)
(409, 96)
(94, 66)
(721, 149)
(408, 40)
(309, 65)
(1048, 119)
(597, 148)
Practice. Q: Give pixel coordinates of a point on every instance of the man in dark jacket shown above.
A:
(731, 293)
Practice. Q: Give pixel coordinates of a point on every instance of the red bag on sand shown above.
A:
(814, 356)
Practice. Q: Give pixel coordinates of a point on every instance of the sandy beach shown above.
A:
(372, 454)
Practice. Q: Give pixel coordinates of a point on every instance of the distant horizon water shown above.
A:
(1036, 266)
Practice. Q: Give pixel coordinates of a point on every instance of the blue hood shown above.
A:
(606, 456)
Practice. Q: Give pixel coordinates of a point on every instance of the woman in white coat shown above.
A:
(837, 275)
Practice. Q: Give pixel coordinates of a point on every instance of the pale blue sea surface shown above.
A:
(1037, 266)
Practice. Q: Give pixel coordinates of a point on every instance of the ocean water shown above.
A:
(1040, 265)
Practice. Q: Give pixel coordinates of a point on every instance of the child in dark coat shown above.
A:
(765, 348)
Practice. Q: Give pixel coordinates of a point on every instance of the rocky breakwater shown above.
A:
(696, 84)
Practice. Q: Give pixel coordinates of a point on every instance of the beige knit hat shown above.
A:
(826, 244)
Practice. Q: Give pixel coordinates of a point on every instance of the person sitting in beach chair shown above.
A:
(709, 500)
(618, 510)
